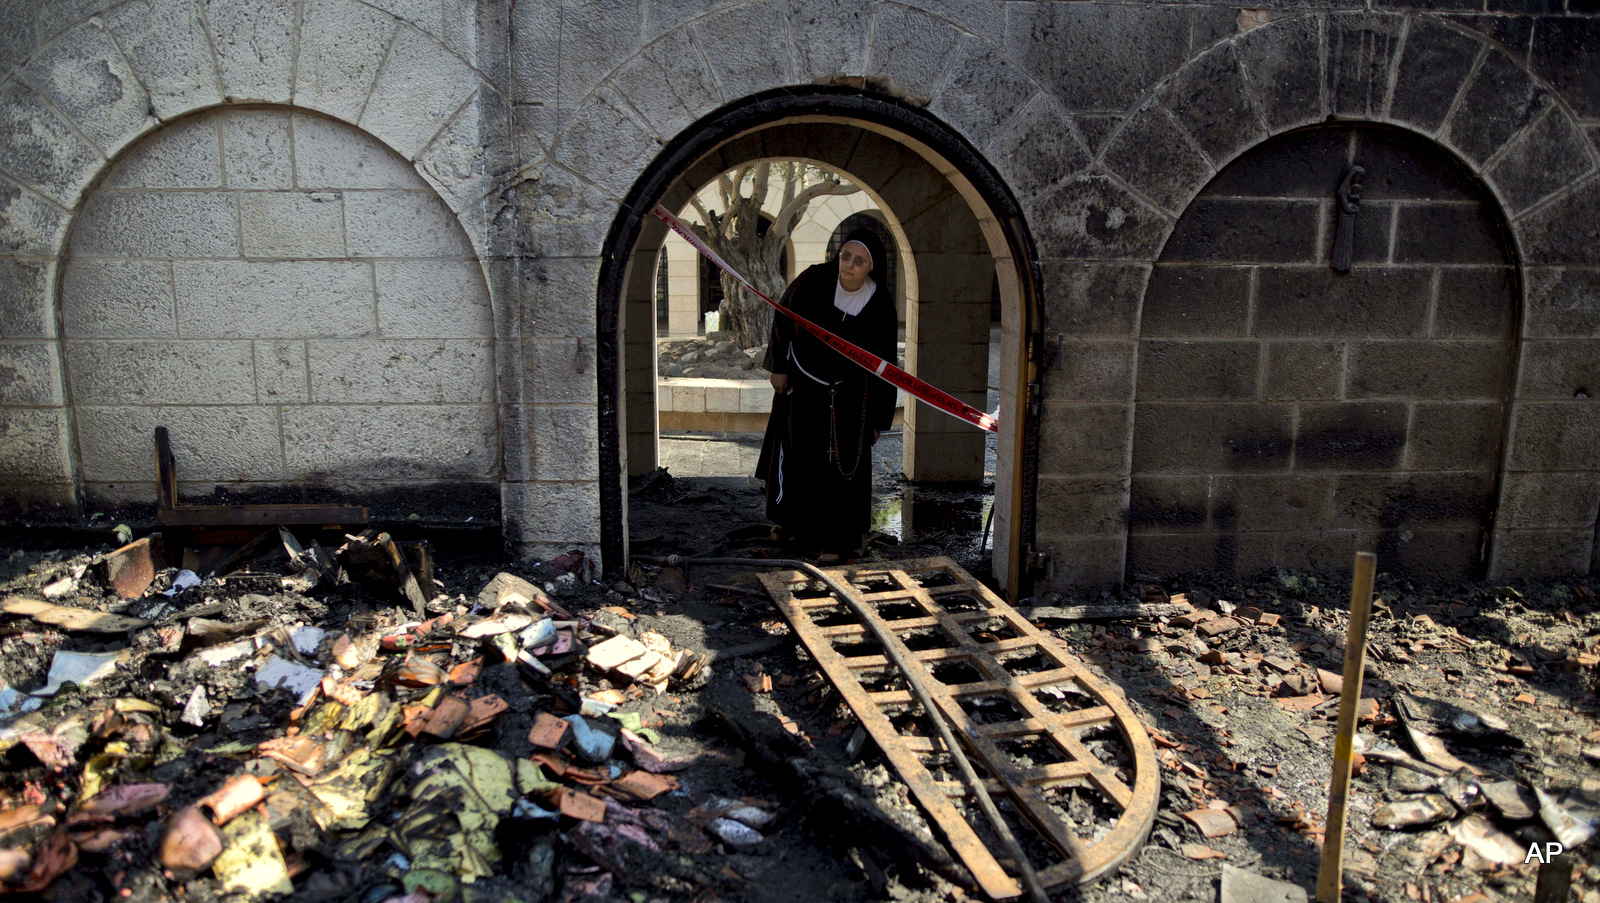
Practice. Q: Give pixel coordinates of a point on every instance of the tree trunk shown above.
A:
(747, 317)
(738, 237)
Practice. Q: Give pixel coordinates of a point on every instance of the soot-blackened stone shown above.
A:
(1180, 437)
(1091, 299)
(1170, 503)
(1402, 166)
(1410, 501)
(1304, 164)
(1455, 435)
(1098, 57)
(1152, 156)
(1566, 53)
(1432, 555)
(1546, 157)
(1196, 301)
(1448, 233)
(1513, 32)
(1216, 230)
(1472, 368)
(1476, 303)
(1435, 62)
(1210, 100)
(1361, 49)
(1288, 90)
(1304, 371)
(1315, 302)
(1538, 7)
(1369, 436)
(1373, 227)
(1182, 553)
(1566, 231)
(1499, 103)
(1092, 216)
(1429, 4)
(1176, 370)
(1563, 302)
(1271, 502)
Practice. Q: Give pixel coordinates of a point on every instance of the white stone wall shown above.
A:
(811, 234)
(291, 300)
(683, 286)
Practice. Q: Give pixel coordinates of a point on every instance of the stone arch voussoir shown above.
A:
(1414, 72)
(338, 58)
(164, 61)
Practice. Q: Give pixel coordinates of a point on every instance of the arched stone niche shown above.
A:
(1101, 230)
(108, 74)
(296, 305)
(1288, 414)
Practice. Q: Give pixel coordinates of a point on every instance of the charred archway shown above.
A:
(979, 186)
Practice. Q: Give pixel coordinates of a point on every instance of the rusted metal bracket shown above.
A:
(1035, 721)
(170, 513)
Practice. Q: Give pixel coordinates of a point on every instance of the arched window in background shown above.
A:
(867, 221)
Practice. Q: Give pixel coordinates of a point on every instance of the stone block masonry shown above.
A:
(1286, 411)
(193, 227)
(292, 301)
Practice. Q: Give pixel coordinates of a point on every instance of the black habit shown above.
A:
(816, 458)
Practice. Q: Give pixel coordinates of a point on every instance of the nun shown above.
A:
(827, 412)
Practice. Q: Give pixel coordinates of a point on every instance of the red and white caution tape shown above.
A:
(888, 372)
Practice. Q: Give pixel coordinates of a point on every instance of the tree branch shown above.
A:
(758, 192)
(792, 210)
(791, 181)
(710, 224)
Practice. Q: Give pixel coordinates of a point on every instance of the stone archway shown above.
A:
(1289, 414)
(940, 242)
(103, 82)
(870, 136)
(297, 306)
(1100, 231)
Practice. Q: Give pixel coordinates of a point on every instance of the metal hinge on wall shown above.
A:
(1040, 561)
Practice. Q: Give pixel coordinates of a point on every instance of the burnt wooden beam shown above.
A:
(170, 513)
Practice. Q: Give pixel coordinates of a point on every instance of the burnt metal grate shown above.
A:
(993, 709)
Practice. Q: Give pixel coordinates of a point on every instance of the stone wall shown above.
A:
(295, 305)
(534, 120)
(1289, 414)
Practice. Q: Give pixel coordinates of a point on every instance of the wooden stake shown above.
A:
(1555, 880)
(1331, 879)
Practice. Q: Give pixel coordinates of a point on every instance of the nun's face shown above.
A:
(854, 265)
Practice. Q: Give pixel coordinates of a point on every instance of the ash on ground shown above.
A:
(296, 728)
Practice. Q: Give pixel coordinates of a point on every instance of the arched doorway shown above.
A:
(873, 139)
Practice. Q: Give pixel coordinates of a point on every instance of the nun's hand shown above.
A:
(875, 435)
(780, 381)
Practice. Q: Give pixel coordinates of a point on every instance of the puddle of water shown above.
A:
(951, 517)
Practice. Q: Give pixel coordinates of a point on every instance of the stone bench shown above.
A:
(721, 405)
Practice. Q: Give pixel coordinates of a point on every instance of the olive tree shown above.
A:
(736, 233)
